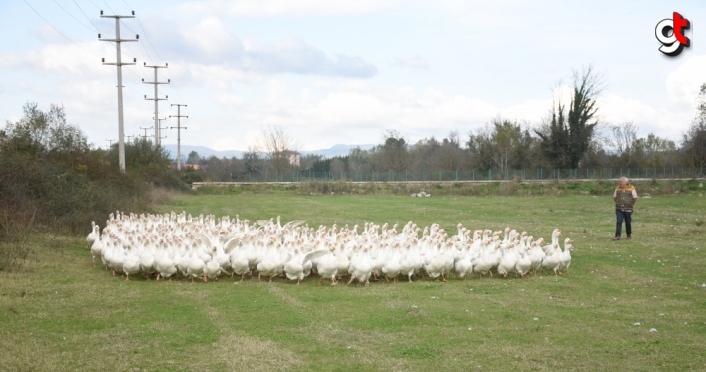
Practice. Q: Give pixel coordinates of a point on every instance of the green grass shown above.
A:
(62, 313)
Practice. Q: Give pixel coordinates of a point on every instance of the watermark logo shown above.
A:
(670, 32)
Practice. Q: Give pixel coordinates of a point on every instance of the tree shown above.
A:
(279, 147)
(193, 158)
(46, 134)
(694, 140)
(566, 138)
(449, 154)
(357, 158)
(338, 166)
(394, 155)
(654, 152)
(501, 144)
(253, 163)
(624, 140)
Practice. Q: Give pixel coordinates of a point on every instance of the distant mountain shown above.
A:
(337, 150)
(203, 151)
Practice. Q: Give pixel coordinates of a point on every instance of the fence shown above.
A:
(474, 175)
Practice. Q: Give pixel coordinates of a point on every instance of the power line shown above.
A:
(57, 30)
(145, 34)
(72, 16)
(109, 8)
(94, 4)
(84, 14)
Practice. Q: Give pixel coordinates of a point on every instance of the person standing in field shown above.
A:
(625, 197)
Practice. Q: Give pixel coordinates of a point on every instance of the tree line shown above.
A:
(571, 137)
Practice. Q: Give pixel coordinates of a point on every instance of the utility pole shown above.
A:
(145, 129)
(159, 122)
(119, 63)
(110, 143)
(156, 99)
(128, 138)
(179, 127)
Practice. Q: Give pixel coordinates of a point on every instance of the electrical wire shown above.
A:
(57, 30)
(89, 19)
(72, 16)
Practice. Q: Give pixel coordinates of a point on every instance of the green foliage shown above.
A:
(49, 172)
(567, 138)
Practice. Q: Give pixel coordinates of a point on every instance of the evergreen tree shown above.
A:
(567, 137)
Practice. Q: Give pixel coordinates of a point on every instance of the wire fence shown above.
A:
(537, 174)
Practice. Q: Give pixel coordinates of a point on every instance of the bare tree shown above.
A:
(624, 138)
(279, 148)
(357, 159)
(694, 140)
(337, 167)
(449, 154)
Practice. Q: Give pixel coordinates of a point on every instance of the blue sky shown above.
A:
(345, 72)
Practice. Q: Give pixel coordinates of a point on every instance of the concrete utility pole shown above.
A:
(156, 99)
(110, 143)
(128, 138)
(145, 129)
(159, 122)
(119, 63)
(179, 127)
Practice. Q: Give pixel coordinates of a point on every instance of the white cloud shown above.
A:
(683, 83)
(211, 36)
(416, 62)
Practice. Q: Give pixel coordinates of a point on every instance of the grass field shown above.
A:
(62, 313)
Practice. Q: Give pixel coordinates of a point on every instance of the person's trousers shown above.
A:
(620, 217)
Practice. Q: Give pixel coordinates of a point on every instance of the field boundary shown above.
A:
(196, 185)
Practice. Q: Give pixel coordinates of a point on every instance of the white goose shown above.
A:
(464, 265)
(92, 236)
(131, 265)
(566, 255)
(524, 263)
(196, 264)
(98, 245)
(391, 268)
(212, 269)
(484, 262)
(553, 262)
(361, 266)
(117, 259)
(238, 259)
(164, 264)
(270, 264)
(327, 266)
(409, 260)
(537, 255)
(508, 261)
(294, 268)
(550, 248)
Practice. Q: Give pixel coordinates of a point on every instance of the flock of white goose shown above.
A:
(179, 245)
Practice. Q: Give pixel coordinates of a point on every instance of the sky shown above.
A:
(331, 72)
